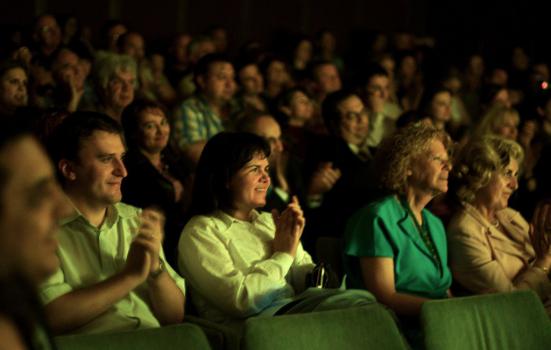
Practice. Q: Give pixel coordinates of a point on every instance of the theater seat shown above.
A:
(182, 336)
(367, 327)
(492, 321)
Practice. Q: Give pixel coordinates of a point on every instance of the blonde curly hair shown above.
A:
(396, 153)
(479, 160)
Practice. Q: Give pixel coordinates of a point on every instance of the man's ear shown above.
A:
(67, 169)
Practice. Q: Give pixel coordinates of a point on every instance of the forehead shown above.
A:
(102, 142)
(249, 70)
(151, 113)
(27, 170)
(46, 21)
(67, 56)
(123, 74)
(14, 72)
(435, 146)
(351, 103)
(442, 95)
(378, 80)
(220, 67)
(326, 69)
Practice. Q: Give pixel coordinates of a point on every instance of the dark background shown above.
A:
(460, 27)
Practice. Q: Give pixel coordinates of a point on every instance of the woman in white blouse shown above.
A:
(238, 261)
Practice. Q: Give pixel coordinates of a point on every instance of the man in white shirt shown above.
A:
(112, 274)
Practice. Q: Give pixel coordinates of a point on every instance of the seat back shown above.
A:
(182, 336)
(492, 321)
(366, 327)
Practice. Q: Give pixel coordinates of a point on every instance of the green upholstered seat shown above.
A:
(366, 327)
(492, 321)
(182, 336)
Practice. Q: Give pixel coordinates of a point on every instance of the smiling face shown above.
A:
(98, 173)
(429, 171)
(120, 89)
(495, 195)
(248, 187)
(354, 120)
(154, 130)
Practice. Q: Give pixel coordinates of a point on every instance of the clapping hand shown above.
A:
(289, 227)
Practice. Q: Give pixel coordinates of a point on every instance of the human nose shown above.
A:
(119, 168)
(513, 184)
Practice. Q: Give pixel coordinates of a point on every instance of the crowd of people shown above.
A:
(135, 181)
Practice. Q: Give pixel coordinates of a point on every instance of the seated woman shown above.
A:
(156, 176)
(395, 247)
(491, 245)
(240, 262)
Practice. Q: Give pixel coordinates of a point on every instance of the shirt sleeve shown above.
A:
(368, 235)
(475, 268)
(302, 265)
(209, 267)
(54, 287)
(180, 282)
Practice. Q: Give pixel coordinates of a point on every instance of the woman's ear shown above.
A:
(67, 169)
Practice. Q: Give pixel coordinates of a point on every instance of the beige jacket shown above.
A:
(484, 258)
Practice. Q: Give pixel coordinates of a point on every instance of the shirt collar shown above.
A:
(229, 220)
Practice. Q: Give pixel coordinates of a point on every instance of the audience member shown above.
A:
(492, 247)
(202, 116)
(13, 87)
(31, 203)
(240, 262)
(112, 263)
(157, 177)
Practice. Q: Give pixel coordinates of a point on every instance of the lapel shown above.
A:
(409, 228)
(510, 242)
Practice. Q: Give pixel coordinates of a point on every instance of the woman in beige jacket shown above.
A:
(491, 246)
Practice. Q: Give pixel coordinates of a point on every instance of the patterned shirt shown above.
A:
(195, 121)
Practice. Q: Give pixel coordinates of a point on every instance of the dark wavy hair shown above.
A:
(222, 157)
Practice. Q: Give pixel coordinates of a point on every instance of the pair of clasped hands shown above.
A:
(289, 227)
(143, 255)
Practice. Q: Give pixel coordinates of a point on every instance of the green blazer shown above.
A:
(385, 229)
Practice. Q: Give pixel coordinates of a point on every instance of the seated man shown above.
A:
(112, 275)
(31, 203)
(203, 115)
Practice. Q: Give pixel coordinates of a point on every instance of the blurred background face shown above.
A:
(67, 68)
(48, 32)
(441, 106)
(301, 107)
(251, 80)
(507, 127)
(134, 46)
(179, 48)
(328, 78)
(268, 128)
(219, 82)
(120, 90)
(113, 36)
(13, 88)
(379, 85)
(354, 120)
(303, 51)
(277, 73)
(154, 130)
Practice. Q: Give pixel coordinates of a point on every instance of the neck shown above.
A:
(94, 213)
(488, 213)
(417, 201)
(216, 105)
(153, 157)
(239, 214)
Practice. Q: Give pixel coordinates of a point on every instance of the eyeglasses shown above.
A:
(442, 161)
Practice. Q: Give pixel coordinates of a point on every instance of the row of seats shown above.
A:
(495, 321)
